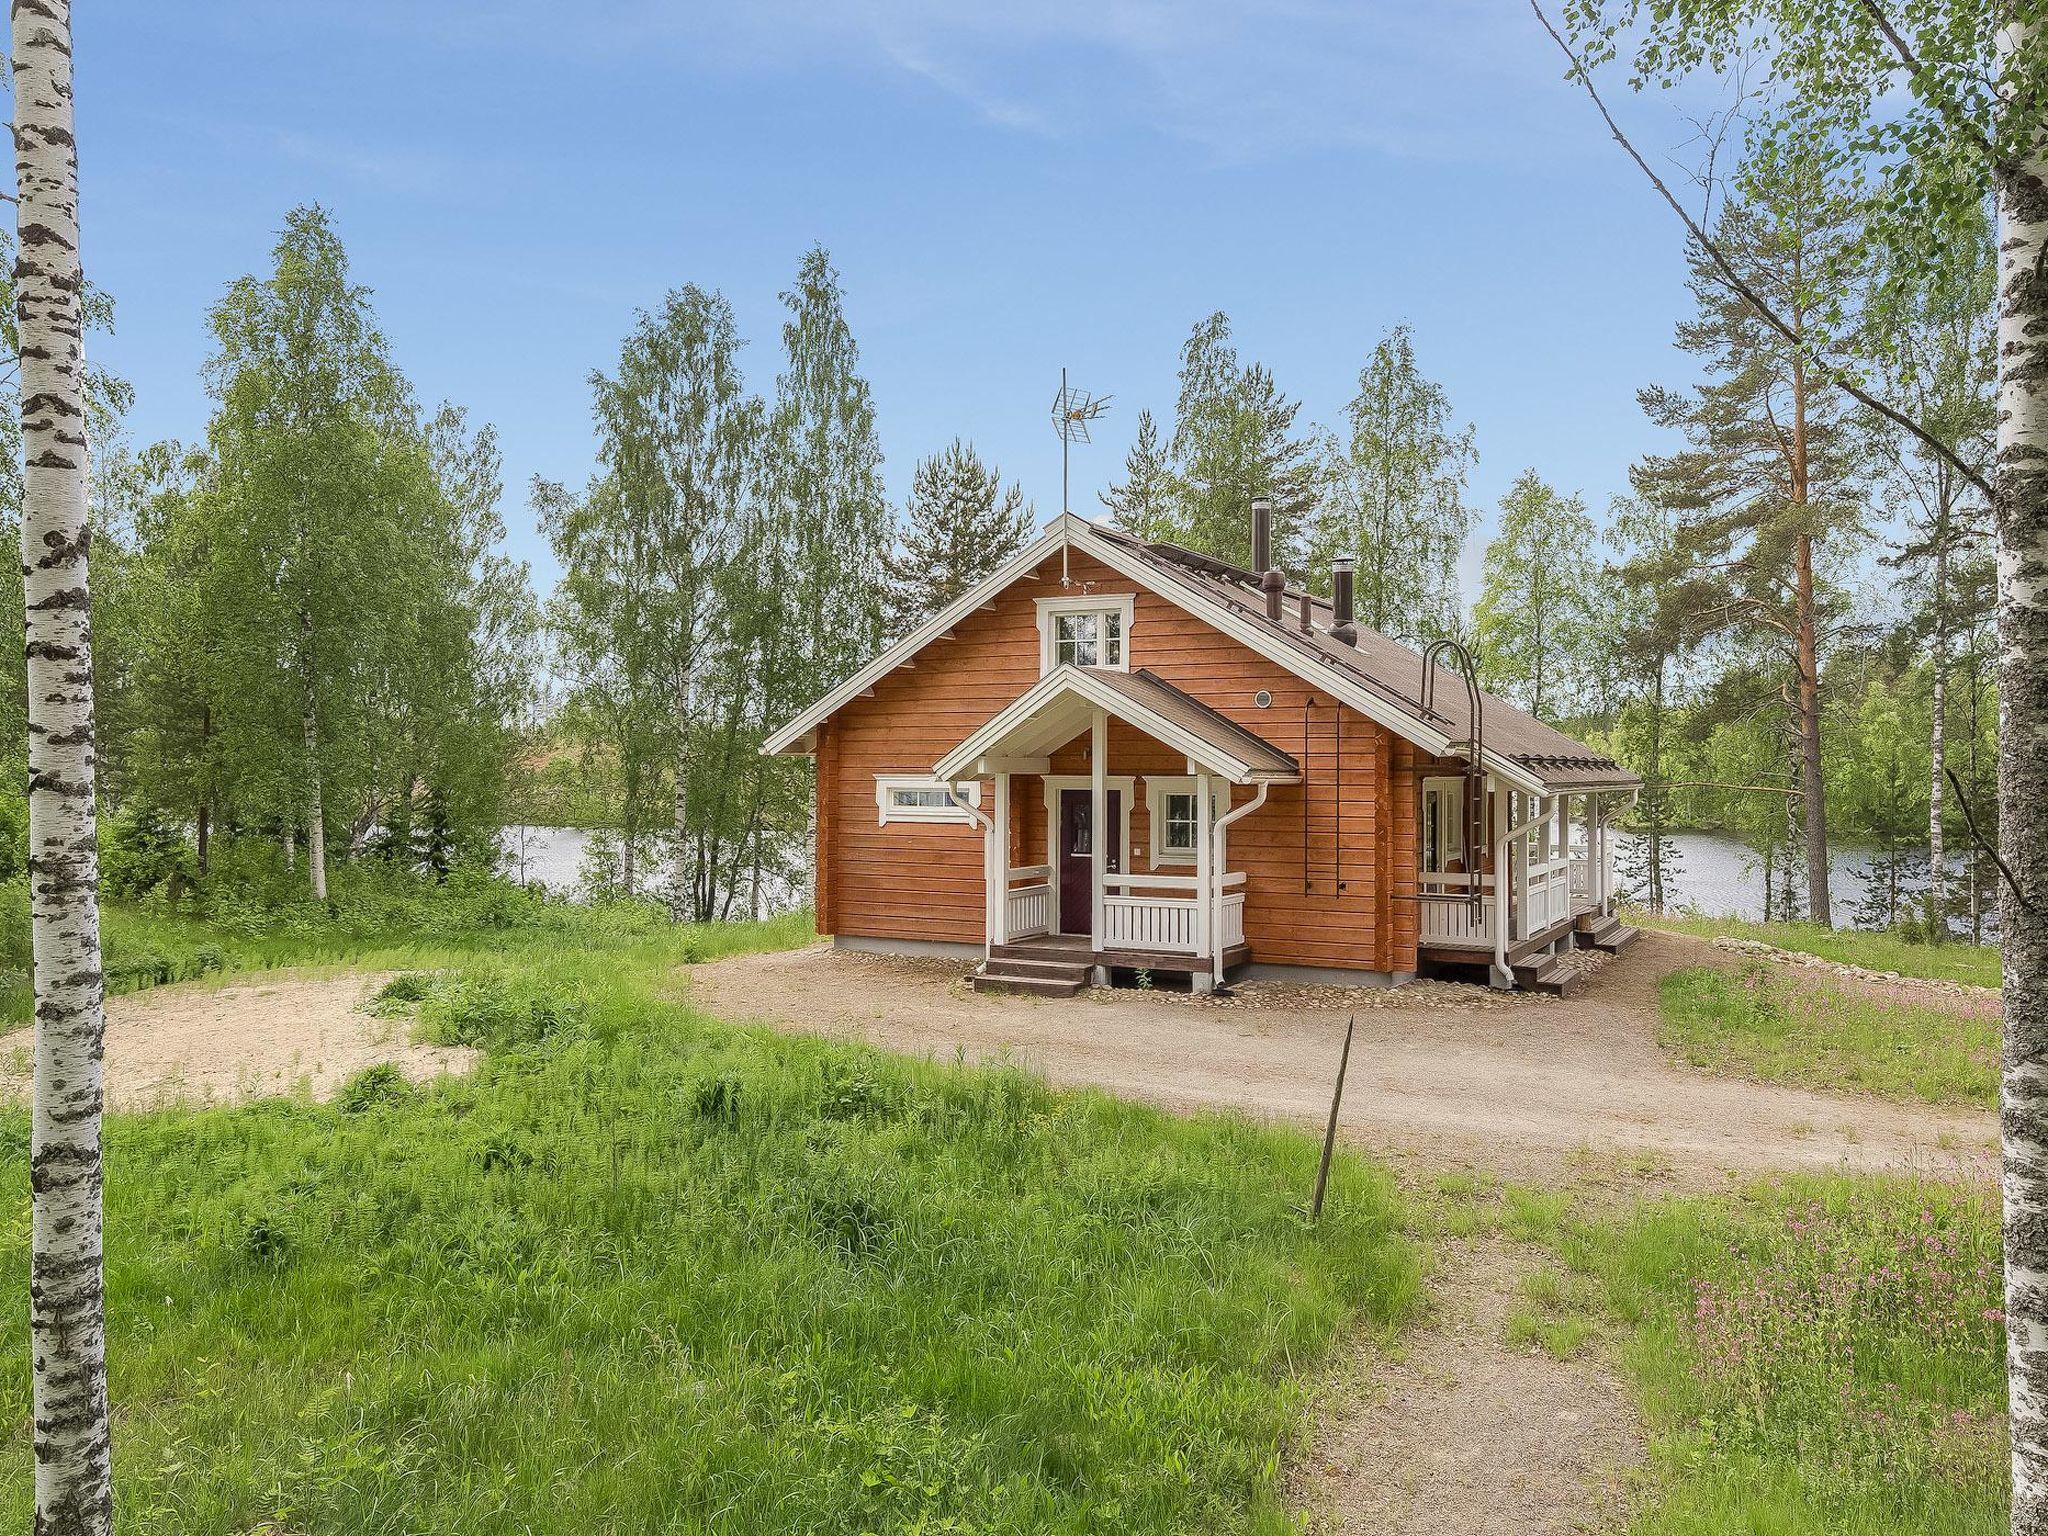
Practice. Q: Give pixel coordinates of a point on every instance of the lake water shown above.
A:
(1721, 877)
(1716, 875)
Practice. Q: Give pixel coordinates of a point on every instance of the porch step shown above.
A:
(1030, 975)
(1551, 974)
(1605, 931)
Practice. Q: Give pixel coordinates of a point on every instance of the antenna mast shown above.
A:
(1072, 410)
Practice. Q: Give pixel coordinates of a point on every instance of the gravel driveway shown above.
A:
(1443, 1074)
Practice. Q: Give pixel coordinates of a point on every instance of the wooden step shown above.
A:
(1550, 975)
(1036, 969)
(1027, 986)
(1616, 938)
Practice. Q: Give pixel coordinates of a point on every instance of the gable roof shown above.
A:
(1379, 677)
(1050, 712)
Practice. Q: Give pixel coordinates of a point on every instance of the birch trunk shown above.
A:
(1937, 744)
(67, 1315)
(2021, 498)
(679, 858)
(316, 809)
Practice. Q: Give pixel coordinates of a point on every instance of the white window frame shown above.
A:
(1051, 609)
(1156, 791)
(888, 784)
(1449, 793)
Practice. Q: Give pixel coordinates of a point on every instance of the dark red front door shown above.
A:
(1077, 846)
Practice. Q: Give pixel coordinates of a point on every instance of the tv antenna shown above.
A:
(1072, 410)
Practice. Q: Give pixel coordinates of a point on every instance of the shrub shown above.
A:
(372, 1088)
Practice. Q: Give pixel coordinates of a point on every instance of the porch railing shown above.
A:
(1137, 913)
(1029, 906)
(1455, 924)
(1546, 897)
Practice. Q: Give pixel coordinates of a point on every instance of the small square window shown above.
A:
(1076, 642)
(1084, 632)
(1179, 827)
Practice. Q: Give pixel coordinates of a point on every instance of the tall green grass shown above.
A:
(650, 1272)
(1779, 1025)
(1823, 1357)
(1974, 964)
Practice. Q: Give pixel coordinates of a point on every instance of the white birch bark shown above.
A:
(67, 1321)
(316, 809)
(2021, 498)
(679, 882)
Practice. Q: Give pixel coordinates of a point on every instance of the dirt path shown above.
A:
(1459, 1432)
(201, 1043)
(1441, 1075)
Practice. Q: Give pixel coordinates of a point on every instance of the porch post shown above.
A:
(1503, 867)
(1000, 928)
(1205, 880)
(1098, 820)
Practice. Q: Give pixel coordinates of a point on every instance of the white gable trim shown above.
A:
(964, 760)
(894, 656)
(1068, 530)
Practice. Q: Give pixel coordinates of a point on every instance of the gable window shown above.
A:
(1175, 811)
(912, 797)
(1084, 632)
(1443, 826)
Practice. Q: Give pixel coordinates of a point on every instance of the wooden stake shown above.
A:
(1315, 1209)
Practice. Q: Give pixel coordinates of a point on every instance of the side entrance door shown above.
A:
(1077, 847)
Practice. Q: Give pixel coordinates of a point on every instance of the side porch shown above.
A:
(1513, 882)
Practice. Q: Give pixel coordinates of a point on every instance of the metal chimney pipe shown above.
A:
(1262, 534)
(1341, 625)
(1307, 613)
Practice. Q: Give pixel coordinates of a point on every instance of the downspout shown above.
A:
(1504, 977)
(987, 823)
(1216, 862)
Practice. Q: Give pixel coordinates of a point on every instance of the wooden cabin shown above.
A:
(1284, 794)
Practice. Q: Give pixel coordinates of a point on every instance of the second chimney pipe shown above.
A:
(1262, 534)
(1341, 626)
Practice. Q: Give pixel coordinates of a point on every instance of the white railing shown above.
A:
(1149, 922)
(1455, 924)
(1030, 911)
(1233, 921)
(1582, 876)
(1546, 897)
(1135, 918)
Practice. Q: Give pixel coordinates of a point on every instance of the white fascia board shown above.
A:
(790, 735)
(1252, 634)
(1067, 679)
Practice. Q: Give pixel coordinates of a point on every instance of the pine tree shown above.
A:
(1534, 627)
(1393, 497)
(960, 528)
(1233, 441)
(1771, 480)
(1143, 505)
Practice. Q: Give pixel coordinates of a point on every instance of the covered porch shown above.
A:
(1516, 875)
(1067, 901)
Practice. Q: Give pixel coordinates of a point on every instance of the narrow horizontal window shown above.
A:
(905, 797)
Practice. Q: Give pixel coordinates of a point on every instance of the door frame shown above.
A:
(1125, 783)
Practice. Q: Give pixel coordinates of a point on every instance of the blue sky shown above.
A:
(1005, 190)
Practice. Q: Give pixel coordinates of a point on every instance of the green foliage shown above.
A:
(1819, 1358)
(1974, 965)
(961, 528)
(1535, 630)
(1393, 497)
(647, 1267)
(1772, 1023)
(1232, 441)
(141, 851)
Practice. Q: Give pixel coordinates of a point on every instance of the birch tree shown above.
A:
(67, 1301)
(1533, 627)
(1941, 106)
(1393, 496)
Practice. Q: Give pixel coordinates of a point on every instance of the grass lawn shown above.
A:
(1975, 964)
(1778, 1024)
(1817, 1356)
(651, 1272)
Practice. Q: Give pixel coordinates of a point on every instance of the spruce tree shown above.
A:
(959, 529)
